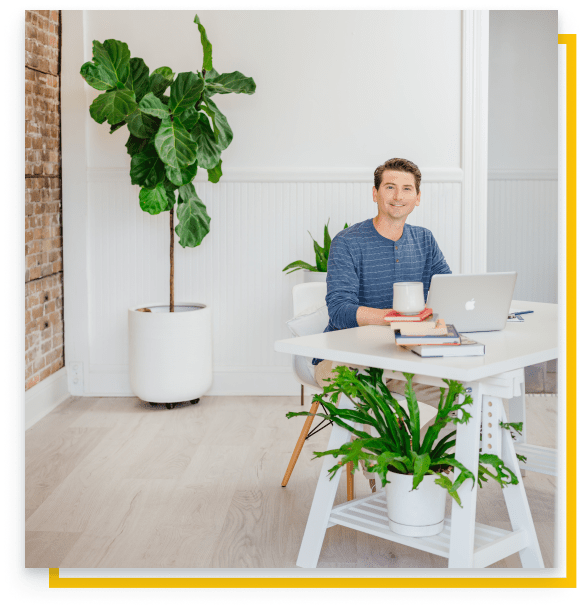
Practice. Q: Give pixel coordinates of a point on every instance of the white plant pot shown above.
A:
(314, 277)
(170, 354)
(420, 512)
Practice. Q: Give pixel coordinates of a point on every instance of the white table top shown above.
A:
(518, 345)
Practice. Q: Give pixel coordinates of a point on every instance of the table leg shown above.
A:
(517, 504)
(323, 500)
(463, 519)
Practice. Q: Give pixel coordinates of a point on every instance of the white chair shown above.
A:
(306, 296)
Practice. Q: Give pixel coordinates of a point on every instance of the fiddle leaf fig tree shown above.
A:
(170, 135)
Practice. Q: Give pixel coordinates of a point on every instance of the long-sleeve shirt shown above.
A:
(363, 265)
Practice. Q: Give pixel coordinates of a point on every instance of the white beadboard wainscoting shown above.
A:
(256, 230)
(523, 231)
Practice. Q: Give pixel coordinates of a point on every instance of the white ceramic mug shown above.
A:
(408, 298)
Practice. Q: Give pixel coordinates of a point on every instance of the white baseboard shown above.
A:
(261, 382)
(276, 381)
(44, 397)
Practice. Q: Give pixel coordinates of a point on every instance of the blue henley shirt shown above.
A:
(363, 265)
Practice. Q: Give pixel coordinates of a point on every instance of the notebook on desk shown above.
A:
(472, 302)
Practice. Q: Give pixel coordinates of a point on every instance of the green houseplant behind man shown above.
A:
(367, 258)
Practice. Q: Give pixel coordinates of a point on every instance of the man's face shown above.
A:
(396, 196)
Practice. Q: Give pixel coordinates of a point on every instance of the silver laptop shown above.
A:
(472, 302)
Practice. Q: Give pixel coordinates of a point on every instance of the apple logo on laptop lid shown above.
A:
(471, 304)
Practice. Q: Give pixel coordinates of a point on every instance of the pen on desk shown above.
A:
(524, 312)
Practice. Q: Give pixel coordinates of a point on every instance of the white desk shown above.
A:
(497, 375)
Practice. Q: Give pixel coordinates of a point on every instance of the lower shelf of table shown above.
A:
(541, 460)
(370, 515)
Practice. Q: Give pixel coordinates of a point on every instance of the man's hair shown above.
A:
(397, 164)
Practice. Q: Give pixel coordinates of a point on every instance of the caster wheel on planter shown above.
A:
(194, 401)
(170, 406)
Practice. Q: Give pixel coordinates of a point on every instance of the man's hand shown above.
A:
(372, 316)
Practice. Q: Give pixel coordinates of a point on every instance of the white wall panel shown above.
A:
(522, 158)
(523, 235)
(523, 112)
(256, 230)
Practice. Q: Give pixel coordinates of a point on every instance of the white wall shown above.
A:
(523, 92)
(337, 94)
(331, 89)
(523, 151)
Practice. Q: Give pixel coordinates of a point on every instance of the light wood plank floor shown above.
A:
(111, 484)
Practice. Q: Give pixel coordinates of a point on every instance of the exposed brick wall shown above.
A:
(44, 352)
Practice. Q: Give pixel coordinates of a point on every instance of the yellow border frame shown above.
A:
(570, 581)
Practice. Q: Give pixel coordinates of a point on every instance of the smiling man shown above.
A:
(367, 258)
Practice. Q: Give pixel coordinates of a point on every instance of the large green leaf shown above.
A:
(141, 124)
(445, 482)
(327, 240)
(215, 173)
(183, 175)
(185, 91)
(111, 65)
(153, 106)
(135, 144)
(146, 168)
(170, 193)
(113, 106)
(421, 464)
(139, 78)
(298, 265)
(194, 222)
(189, 118)
(222, 129)
(160, 80)
(413, 407)
(233, 82)
(321, 261)
(174, 144)
(207, 47)
(209, 153)
(96, 76)
(154, 200)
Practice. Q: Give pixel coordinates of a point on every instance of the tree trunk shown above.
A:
(172, 259)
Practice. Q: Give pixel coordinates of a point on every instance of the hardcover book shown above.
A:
(467, 348)
(452, 337)
(423, 328)
(397, 316)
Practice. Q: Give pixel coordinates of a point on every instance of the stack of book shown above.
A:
(435, 339)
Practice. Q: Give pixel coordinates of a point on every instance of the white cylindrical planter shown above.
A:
(420, 512)
(170, 354)
(314, 277)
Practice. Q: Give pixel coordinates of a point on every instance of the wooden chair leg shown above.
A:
(300, 443)
(349, 481)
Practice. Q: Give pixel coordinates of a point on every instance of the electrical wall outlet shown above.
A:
(75, 377)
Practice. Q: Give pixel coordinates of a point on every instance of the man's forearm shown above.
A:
(371, 316)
